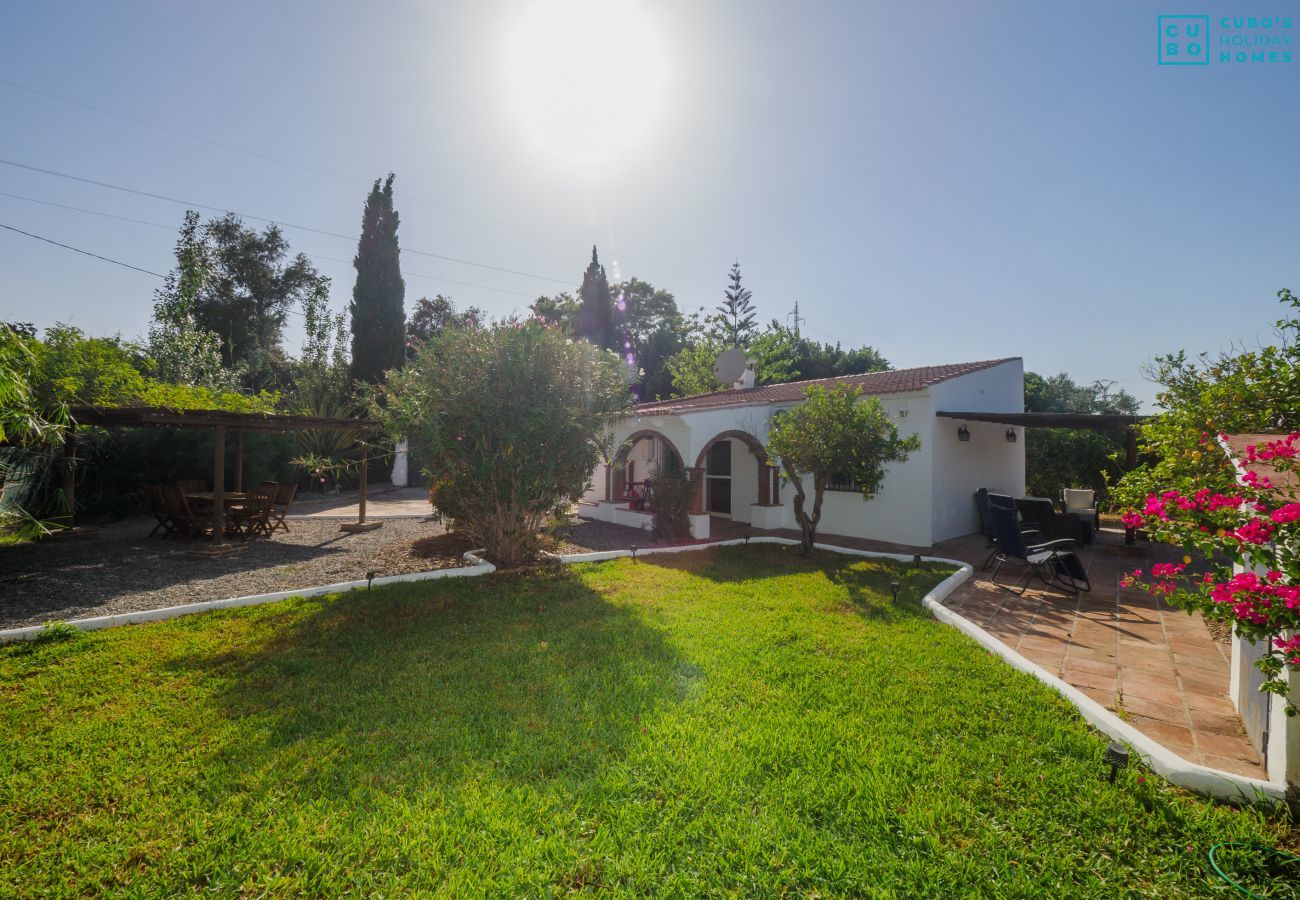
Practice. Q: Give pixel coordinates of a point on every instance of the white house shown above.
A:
(720, 440)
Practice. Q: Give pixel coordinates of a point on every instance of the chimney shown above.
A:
(747, 377)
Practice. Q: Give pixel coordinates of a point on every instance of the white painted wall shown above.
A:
(987, 459)
(900, 512)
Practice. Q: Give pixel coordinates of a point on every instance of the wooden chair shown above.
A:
(192, 487)
(153, 496)
(284, 494)
(253, 516)
(187, 521)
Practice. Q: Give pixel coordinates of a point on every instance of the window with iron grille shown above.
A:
(844, 483)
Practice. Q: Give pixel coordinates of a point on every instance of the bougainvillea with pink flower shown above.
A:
(1249, 539)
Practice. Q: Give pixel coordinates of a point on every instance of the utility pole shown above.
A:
(798, 319)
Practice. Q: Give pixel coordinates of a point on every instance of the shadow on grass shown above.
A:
(523, 678)
(867, 581)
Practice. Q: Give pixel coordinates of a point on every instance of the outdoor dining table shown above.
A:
(209, 496)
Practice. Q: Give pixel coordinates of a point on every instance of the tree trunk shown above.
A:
(807, 523)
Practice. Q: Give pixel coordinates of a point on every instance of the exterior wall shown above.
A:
(1271, 731)
(900, 512)
(928, 498)
(987, 459)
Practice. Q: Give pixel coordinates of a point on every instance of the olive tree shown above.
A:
(834, 434)
(509, 418)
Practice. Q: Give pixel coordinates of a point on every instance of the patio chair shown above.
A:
(1054, 525)
(187, 520)
(253, 516)
(157, 502)
(984, 503)
(192, 487)
(1054, 563)
(280, 503)
(1082, 502)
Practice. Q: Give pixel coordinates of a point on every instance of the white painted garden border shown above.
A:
(1161, 760)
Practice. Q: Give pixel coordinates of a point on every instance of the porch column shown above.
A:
(697, 491)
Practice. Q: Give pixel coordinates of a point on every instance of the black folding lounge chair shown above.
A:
(984, 502)
(1053, 562)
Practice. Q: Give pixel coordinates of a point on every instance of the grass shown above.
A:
(739, 721)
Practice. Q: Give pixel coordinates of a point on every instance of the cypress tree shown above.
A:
(738, 325)
(378, 312)
(596, 314)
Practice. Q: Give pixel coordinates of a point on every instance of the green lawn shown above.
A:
(739, 721)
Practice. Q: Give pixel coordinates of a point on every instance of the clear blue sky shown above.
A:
(942, 180)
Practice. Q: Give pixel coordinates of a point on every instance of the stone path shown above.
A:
(384, 503)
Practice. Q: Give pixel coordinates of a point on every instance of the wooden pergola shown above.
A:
(1077, 421)
(219, 422)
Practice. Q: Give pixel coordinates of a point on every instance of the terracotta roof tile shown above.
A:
(894, 381)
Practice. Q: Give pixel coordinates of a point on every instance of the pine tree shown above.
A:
(596, 314)
(737, 313)
(378, 312)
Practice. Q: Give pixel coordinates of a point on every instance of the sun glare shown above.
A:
(585, 78)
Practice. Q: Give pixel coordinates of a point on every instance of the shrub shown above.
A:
(509, 418)
(670, 496)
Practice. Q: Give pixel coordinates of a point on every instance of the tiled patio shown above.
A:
(1154, 665)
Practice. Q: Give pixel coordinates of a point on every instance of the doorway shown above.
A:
(718, 478)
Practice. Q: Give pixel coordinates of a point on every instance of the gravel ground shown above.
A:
(120, 569)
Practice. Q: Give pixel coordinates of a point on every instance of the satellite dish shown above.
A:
(729, 366)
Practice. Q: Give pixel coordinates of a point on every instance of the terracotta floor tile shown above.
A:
(1049, 662)
(1100, 654)
(1096, 667)
(1229, 745)
(1051, 645)
(1202, 681)
(1105, 698)
(1148, 690)
(1210, 703)
(1213, 723)
(1173, 713)
(1172, 736)
(1235, 766)
(1090, 680)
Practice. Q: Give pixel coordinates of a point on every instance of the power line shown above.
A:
(334, 234)
(313, 256)
(293, 165)
(116, 262)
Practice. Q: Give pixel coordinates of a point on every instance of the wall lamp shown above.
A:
(963, 433)
(1011, 435)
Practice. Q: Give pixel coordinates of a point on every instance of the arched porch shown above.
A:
(731, 483)
(635, 461)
